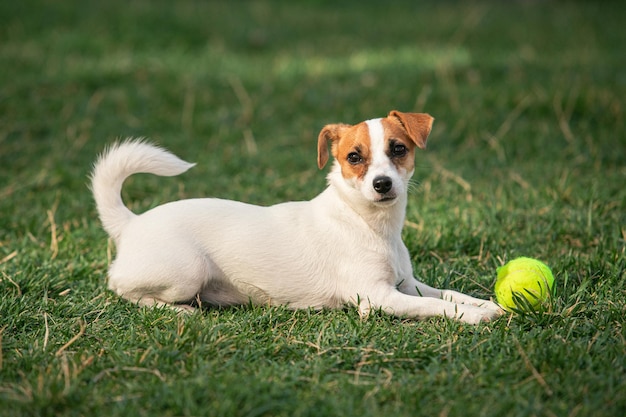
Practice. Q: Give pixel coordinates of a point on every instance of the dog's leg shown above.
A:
(412, 286)
(398, 304)
(149, 275)
(154, 302)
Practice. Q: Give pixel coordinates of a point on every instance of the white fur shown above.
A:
(338, 248)
(381, 165)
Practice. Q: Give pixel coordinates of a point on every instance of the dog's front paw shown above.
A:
(476, 315)
(492, 315)
(490, 305)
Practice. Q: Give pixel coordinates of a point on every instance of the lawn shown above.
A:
(527, 158)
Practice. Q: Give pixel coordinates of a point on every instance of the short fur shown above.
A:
(342, 247)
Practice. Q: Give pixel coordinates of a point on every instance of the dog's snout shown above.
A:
(382, 184)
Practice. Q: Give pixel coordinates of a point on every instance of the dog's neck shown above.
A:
(384, 220)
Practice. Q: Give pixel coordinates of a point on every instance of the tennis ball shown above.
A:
(523, 283)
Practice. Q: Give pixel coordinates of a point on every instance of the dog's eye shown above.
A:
(398, 150)
(354, 158)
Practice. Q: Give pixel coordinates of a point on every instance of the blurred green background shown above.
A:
(527, 157)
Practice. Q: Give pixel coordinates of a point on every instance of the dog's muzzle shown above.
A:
(383, 185)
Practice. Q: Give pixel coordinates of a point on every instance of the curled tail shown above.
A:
(118, 163)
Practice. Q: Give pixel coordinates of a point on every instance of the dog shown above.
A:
(343, 247)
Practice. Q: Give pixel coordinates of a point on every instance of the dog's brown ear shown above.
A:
(330, 133)
(417, 125)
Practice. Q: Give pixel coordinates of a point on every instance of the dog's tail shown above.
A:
(118, 163)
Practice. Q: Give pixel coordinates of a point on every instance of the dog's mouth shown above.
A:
(386, 199)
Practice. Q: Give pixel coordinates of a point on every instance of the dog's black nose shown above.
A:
(382, 184)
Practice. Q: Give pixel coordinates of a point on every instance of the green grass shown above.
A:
(527, 157)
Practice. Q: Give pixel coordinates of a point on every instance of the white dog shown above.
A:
(342, 247)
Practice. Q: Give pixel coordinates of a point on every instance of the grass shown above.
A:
(527, 157)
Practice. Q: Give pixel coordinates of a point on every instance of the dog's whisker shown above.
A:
(414, 186)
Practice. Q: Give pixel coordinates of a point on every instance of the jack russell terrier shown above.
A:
(342, 247)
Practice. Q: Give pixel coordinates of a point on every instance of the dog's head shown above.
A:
(376, 157)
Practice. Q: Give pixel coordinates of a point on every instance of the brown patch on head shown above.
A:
(330, 133)
(399, 146)
(350, 146)
(417, 126)
(353, 151)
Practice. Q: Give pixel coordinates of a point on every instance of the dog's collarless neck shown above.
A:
(383, 221)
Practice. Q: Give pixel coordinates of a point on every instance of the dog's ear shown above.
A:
(416, 125)
(330, 133)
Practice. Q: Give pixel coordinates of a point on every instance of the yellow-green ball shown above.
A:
(525, 278)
